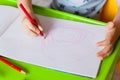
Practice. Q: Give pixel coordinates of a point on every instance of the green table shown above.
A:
(39, 73)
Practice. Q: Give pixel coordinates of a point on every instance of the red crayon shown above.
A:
(30, 18)
(12, 66)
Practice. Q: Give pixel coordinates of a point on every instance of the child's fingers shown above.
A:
(109, 41)
(105, 52)
(104, 43)
(28, 31)
(33, 27)
(41, 29)
(39, 25)
(101, 43)
(32, 33)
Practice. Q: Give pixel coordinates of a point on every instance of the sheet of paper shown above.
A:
(6, 18)
(69, 46)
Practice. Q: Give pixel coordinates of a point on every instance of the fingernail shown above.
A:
(40, 28)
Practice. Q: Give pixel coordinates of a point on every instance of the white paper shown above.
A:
(6, 18)
(69, 46)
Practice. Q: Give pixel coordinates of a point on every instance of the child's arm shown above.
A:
(27, 27)
(117, 18)
(113, 33)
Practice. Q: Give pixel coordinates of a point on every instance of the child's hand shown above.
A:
(113, 33)
(29, 28)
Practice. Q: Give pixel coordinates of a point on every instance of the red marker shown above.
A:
(12, 66)
(30, 18)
